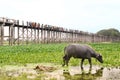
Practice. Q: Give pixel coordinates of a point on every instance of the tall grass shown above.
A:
(53, 53)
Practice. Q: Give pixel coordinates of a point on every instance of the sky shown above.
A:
(84, 15)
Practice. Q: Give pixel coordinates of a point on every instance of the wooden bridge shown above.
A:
(18, 32)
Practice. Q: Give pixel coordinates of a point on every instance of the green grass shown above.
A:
(39, 53)
(53, 53)
(110, 53)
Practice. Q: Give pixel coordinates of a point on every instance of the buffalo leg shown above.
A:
(65, 60)
(82, 64)
(63, 63)
(90, 63)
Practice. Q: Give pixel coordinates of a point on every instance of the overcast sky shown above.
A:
(85, 15)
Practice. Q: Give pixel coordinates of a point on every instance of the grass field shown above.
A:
(53, 53)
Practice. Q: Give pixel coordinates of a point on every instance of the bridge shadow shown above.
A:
(83, 76)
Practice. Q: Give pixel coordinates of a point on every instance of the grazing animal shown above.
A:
(80, 51)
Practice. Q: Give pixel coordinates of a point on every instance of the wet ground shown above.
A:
(56, 72)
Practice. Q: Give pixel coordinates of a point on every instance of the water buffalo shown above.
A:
(80, 51)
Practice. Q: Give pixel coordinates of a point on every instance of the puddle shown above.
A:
(75, 73)
(56, 72)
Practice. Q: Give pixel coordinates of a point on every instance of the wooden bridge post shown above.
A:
(34, 35)
(92, 36)
(56, 39)
(38, 35)
(67, 35)
(18, 33)
(27, 40)
(79, 37)
(87, 37)
(48, 36)
(56, 36)
(0, 36)
(53, 36)
(11, 34)
(2, 33)
(31, 35)
(76, 38)
(72, 37)
(59, 37)
(44, 36)
(42, 33)
(23, 37)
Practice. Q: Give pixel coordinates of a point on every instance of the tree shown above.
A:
(109, 32)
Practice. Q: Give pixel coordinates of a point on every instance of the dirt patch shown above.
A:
(45, 68)
(28, 71)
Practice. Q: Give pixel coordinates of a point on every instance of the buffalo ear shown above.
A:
(98, 56)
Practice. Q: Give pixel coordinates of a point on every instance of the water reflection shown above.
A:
(111, 73)
(83, 75)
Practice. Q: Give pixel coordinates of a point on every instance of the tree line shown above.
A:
(109, 32)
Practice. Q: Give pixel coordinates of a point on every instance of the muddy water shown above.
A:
(71, 73)
(75, 73)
